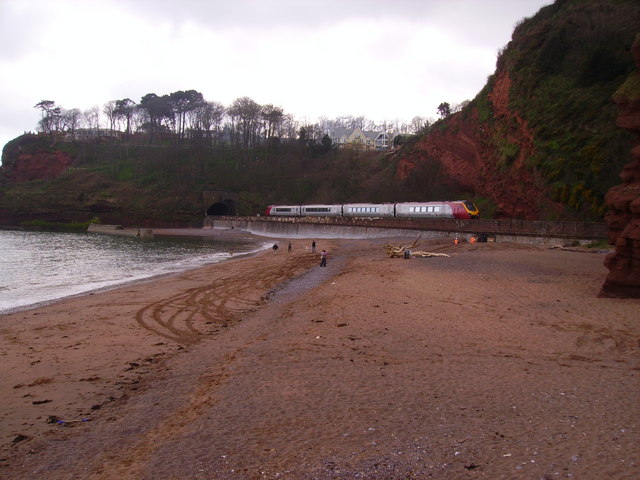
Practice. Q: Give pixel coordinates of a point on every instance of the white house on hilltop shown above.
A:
(88, 134)
(360, 140)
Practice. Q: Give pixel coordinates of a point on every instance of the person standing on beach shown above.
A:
(275, 248)
(313, 247)
(323, 258)
(289, 248)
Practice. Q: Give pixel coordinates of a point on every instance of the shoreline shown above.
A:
(260, 245)
(118, 319)
(383, 368)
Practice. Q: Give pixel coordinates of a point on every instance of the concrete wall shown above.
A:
(120, 230)
(498, 230)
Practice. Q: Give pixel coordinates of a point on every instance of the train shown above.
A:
(454, 209)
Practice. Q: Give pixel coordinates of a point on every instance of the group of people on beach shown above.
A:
(323, 253)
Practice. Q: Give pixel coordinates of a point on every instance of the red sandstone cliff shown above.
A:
(25, 163)
(40, 166)
(466, 153)
(623, 217)
(539, 141)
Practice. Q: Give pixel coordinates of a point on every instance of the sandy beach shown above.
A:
(498, 361)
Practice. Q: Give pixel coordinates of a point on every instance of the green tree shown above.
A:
(444, 110)
(124, 110)
(156, 110)
(182, 103)
(50, 116)
(272, 117)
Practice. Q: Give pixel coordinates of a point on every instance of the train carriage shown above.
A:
(368, 210)
(321, 210)
(424, 210)
(283, 211)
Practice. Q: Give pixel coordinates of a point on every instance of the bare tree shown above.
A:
(245, 118)
(109, 110)
(289, 127)
(209, 119)
(71, 120)
(91, 119)
(418, 124)
(460, 106)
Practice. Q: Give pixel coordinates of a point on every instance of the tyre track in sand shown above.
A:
(188, 316)
(185, 318)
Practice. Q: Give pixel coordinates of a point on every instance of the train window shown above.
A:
(317, 210)
(283, 209)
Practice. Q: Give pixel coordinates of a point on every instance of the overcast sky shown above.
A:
(382, 59)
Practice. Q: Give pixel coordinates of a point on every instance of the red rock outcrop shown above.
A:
(39, 166)
(466, 153)
(623, 201)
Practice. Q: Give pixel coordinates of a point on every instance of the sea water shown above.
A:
(41, 267)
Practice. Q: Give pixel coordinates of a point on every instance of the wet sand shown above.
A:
(496, 362)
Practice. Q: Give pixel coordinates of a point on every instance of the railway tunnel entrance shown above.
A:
(219, 203)
(222, 208)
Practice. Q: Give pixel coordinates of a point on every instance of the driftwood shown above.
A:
(428, 254)
(398, 251)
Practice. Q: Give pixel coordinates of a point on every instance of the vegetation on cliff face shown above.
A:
(564, 87)
(548, 110)
(164, 184)
(539, 142)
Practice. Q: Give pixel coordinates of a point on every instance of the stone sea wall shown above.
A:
(336, 227)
